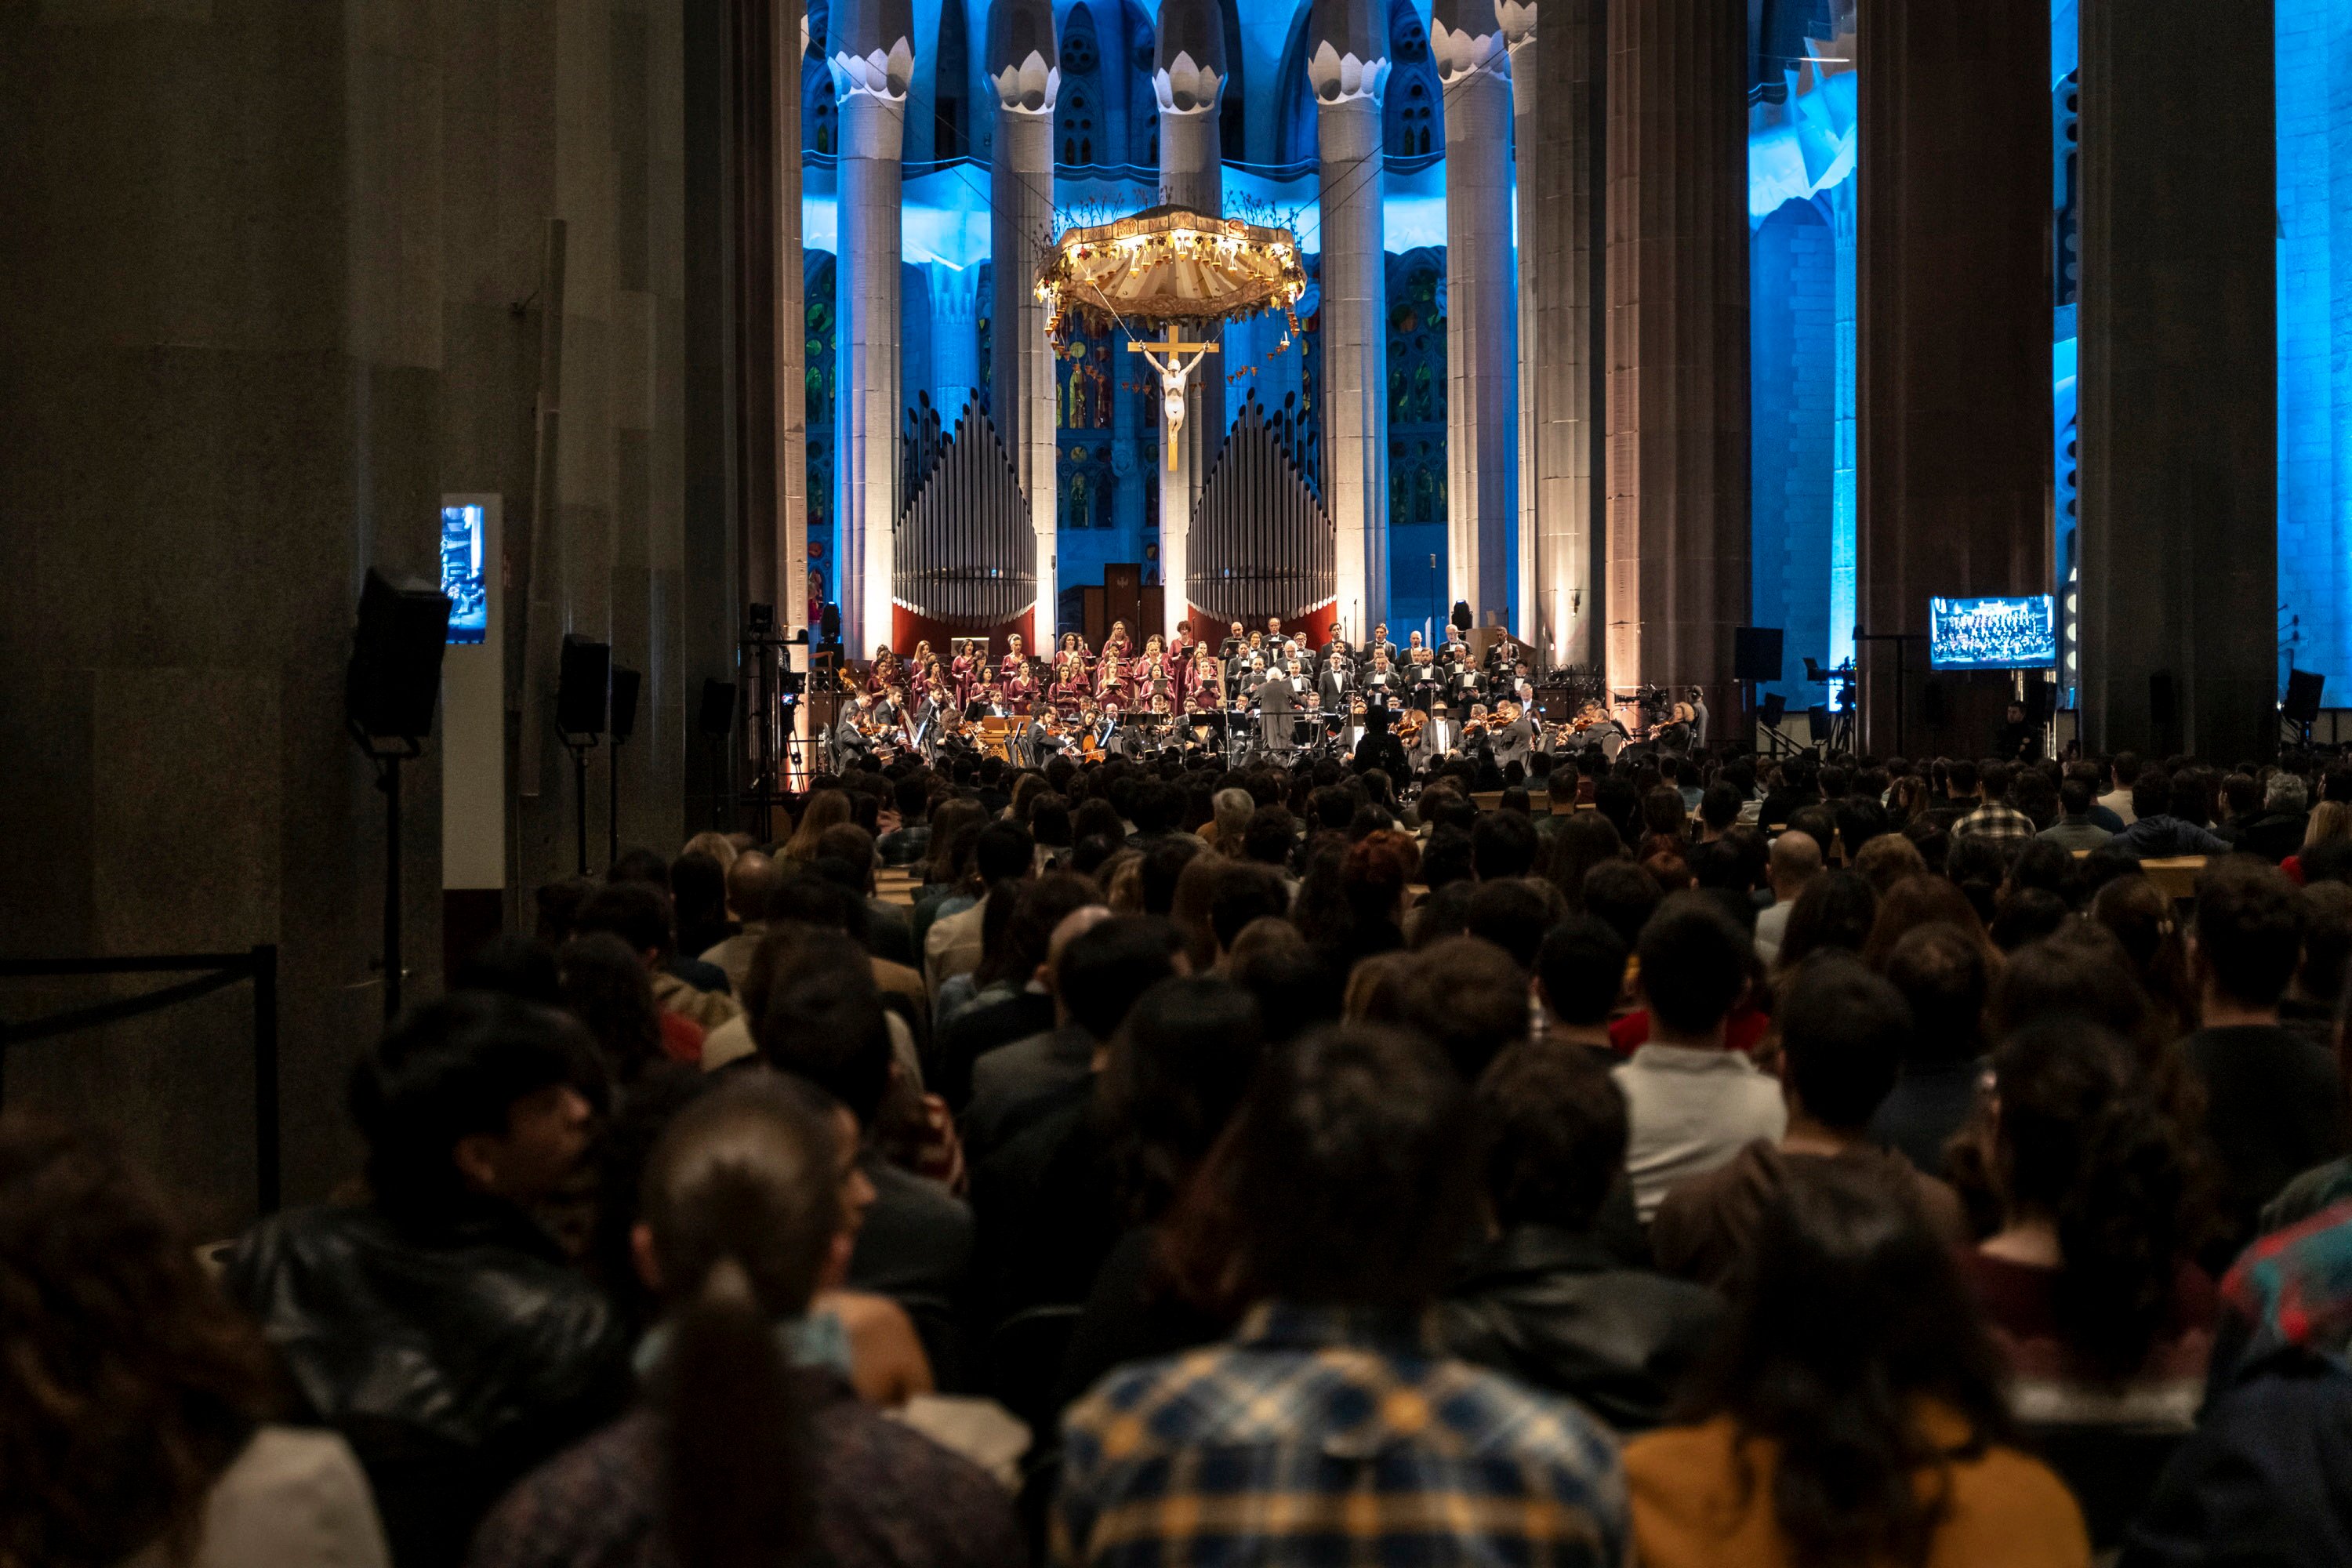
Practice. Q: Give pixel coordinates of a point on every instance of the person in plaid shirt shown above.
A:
(1330, 1428)
(1996, 818)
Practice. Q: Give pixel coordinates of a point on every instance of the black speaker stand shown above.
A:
(580, 746)
(387, 756)
(613, 806)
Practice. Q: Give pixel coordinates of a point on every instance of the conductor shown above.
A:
(1277, 705)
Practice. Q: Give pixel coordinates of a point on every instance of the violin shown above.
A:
(1409, 727)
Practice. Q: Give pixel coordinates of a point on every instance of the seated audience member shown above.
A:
(1021, 998)
(1579, 980)
(1047, 1198)
(1624, 894)
(1842, 1033)
(1175, 1072)
(846, 855)
(2075, 829)
(1940, 971)
(436, 1326)
(1888, 859)
(1004, 851)
(2142, 917)
(1503, 844)
(748, 1444)
(1692, 1102)
(1852, 1413)
(2315, 995)
(1240, 896)
(139, 1402)
(1546, 1299)
(2262, 1480)
(1463, 996)
(1514, 913)
(638, 913)
(1347, 1190)
(1994, 818)
(1836, 911)
(2276, 831)
(2155, 834)
(2274, 1106)
(751, 881)
(823, 1022)
(1796, 862)
(2105, 1323)
(909, 843)
(600, 983)
(1097, 965)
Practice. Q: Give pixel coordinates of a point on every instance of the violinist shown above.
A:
(1513, 734)
(847, 744)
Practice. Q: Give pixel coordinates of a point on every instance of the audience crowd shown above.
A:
(1674, 1160)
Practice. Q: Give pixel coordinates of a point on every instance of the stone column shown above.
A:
(873, 59)
(2179, 367)
(1348, 69)
(1678, 346)
(1190, 75)
(1020, 61)
(1953, 381)
(1482, 337)
(789, 44)
(1555, 80)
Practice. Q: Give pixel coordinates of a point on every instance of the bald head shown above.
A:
(751, 881)
(1795, 860)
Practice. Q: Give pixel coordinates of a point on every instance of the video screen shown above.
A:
(1993, 634)
(462, 575)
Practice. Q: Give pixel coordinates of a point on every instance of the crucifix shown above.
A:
(1173, 373)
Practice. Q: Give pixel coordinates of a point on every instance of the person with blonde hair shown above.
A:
(826, 808)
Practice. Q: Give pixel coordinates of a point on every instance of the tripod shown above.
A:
(580, 746)
(387, 756)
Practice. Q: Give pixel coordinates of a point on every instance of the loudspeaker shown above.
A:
(829, 622)
(718, 715)
(625, 701)
(583, 681)
(395, 676)
(2303, 692)
(1756, 653)
(2041, 699)
(1817, 719)
(1461, 617)
(2163, 702)
(1776, 708)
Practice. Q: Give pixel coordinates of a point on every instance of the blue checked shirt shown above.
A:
(1325, 1436)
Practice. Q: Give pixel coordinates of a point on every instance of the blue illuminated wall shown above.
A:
(2315, 311)
(1803, 148)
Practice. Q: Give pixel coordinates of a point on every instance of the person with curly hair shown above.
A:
(1852, 1413)
(137, 1424)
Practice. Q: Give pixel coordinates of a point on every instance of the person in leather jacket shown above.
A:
(436, 1327)
(1546, 1299)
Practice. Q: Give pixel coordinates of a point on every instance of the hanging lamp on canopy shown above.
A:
(1169, 268)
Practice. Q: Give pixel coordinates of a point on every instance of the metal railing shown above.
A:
(212, 972)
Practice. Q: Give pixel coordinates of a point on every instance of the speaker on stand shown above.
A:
(389, 691)
(626, 683)
(1755, 658)
(583, 695)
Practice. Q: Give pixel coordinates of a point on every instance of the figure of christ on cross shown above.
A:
(1173, 374)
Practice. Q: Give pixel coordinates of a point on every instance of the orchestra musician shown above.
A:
(1512, 734)
(847, 744)
(1440, 737)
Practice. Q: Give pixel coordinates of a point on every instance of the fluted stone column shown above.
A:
(1678, 345)
(872, 53)
(1189, 75)
(1348, 69)
(1555, 76)
(1021, 62)
(2179, 381)
(1954, 412)
(1482, 338)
